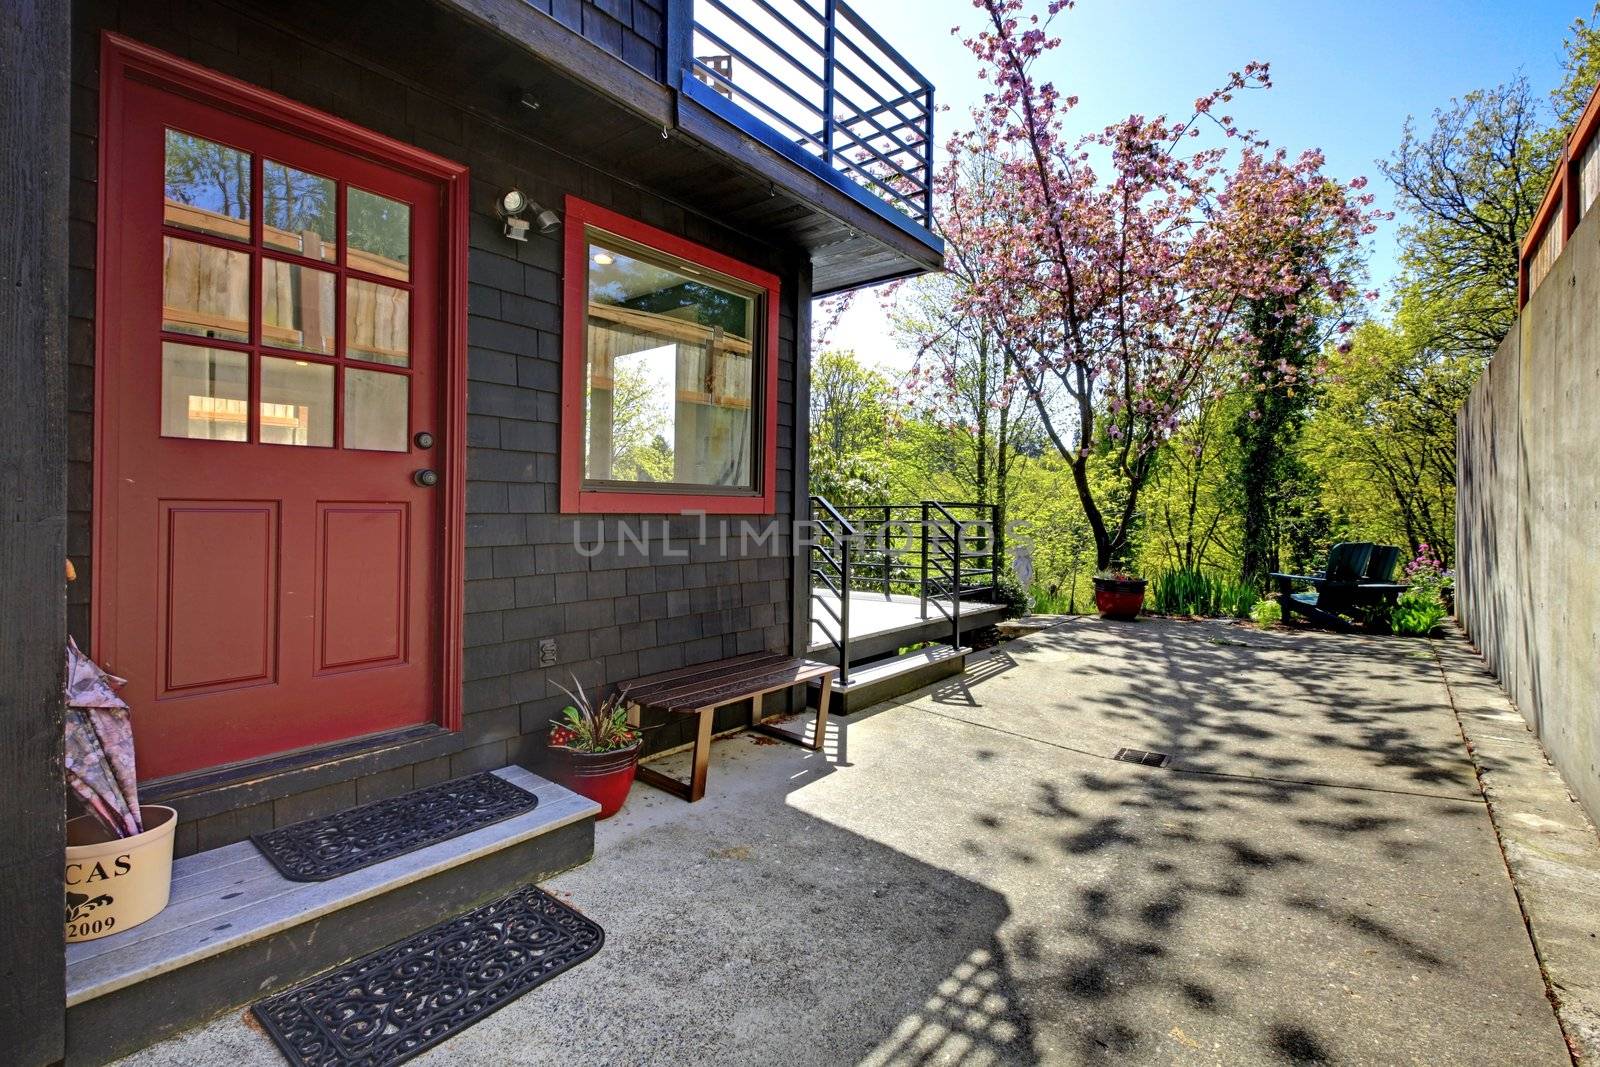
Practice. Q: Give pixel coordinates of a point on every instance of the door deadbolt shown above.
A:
(424, 439)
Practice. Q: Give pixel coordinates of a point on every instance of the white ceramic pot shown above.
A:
(114, 883)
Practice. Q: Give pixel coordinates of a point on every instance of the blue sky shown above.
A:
(1345, 75)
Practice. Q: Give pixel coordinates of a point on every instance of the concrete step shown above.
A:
(236, 930)
(874, 682)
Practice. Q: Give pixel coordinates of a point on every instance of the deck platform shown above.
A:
(881, 625)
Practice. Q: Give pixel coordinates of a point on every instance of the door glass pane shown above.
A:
(377, 323)
(296, 402)
(205, 290)
(205, 393)
(379, 234)
(376, 412)
(297, 212)
(297, 307)
(207, 186)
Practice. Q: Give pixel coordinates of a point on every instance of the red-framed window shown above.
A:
(669, 373)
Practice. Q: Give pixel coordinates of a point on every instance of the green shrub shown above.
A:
(1417, 612)
(1187, 591)
(1009, 591)
(1266, 613)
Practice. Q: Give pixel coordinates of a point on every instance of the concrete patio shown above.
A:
(969, 877)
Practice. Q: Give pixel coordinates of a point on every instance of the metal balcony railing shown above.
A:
(818, 75)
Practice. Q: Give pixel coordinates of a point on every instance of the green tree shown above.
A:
(1383, 437)
(1580, 69)
(850, 403)
(851, 407)
(1192, 519)
(1471, 186)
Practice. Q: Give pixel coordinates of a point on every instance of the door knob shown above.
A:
(424, 439)
(426, 478)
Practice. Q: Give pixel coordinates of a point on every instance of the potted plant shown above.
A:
(596, 749)
(1118, 594)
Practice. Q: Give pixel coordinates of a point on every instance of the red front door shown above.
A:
(269, 557)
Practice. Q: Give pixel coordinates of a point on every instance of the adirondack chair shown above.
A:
(1359, 574)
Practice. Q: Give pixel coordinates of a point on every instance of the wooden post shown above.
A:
(678, 56)
(35, 82)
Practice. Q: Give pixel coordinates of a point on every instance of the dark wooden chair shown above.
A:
(702, 689)
(1380, 568)
(1359, 574)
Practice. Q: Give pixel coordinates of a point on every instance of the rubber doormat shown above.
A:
(400, 1001)
(319, 849)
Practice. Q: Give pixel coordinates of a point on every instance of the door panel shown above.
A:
(270, 574)
(219, 588)
(364, 584)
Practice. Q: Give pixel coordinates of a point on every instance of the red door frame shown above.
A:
(122, 60)
(576, 498)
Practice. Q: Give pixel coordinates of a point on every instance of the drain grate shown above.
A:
(1142, 758)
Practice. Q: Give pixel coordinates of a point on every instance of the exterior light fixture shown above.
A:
(513, 204)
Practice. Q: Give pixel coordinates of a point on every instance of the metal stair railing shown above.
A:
(832, 568)
(943, 552)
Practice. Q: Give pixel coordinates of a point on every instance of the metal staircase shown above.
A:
(887, 579)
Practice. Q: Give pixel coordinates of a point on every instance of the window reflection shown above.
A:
(205, 393)
(297, 212)
(377, 322)
(378, 232)
(670, 375)
(207, 186)
(296, 402)
(297, 309)
(205, 290)
(376, 414)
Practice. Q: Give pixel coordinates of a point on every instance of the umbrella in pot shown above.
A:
(99, 745)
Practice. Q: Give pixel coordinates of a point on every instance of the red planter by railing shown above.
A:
(1119, 598)
(603, 777)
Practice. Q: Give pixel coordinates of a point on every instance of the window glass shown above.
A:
(670, 375)
(205, 290)
(296, 402)
(377, 322)
(205, 393)
(297, 212)
(376, 414)
(378, 231)
(297, 309)
(207, 187)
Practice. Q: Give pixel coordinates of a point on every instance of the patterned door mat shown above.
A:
(400, 1001)
(318, 849)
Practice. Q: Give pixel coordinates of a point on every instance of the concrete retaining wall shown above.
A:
(1528, 513)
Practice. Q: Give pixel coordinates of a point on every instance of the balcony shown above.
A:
(812, 80)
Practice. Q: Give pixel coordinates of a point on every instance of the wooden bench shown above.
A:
(702, 689)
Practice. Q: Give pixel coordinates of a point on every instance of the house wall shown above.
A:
(612, 617)
(1528, 513)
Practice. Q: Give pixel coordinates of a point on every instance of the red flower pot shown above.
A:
(603, 777)
(1119, 598)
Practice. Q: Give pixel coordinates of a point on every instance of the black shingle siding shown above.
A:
(613, 616)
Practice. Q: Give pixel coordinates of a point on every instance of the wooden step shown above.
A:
(872, 683)
(236, 930)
